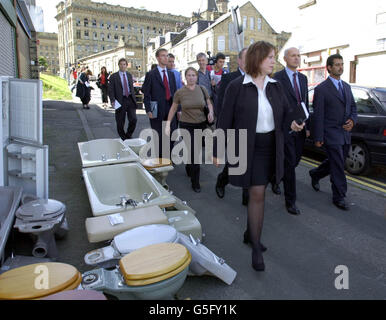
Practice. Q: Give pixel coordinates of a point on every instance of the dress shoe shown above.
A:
(314, 182)
(196, 189)
(246, 241)
(220, 190)
(292, 209)
(341, 204)
(257, 259)
(276, 189)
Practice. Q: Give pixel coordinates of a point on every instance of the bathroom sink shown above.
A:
(105, 151)
(121, 187)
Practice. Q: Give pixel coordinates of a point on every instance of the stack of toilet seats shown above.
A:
(130, 241)
(39, 280)
(154, 272)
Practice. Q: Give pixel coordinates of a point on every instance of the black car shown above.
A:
(368, 145)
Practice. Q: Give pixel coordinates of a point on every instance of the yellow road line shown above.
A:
(374, 181)
(352, 179)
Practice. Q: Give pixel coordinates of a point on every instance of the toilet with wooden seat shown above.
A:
(130, 241)
(153, 272)
(36, 281)
(159, 168)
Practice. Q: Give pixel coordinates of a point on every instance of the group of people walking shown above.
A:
(274, 109)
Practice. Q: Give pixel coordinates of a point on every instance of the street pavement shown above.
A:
(303, 251)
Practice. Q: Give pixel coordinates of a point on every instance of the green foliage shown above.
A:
(55, 88)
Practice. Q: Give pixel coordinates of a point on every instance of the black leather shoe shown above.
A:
(196, 189)
(257, 259)
(220, 190)
(292, 209)
(314, 182)
(276, 189)
(341, 204)
(246, 241)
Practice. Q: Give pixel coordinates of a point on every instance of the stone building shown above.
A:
(93, 27)
(217, 36)
(47, 47)
(18, 51)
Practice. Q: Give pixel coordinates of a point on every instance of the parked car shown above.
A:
(368, 146)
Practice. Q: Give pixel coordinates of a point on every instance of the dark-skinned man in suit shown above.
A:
(295, 86)
(335, 114)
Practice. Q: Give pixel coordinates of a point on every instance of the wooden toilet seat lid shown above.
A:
(23, 283)
(161, 277)
(156, 163)
(153, 261)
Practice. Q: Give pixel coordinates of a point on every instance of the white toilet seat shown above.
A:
(143, 236)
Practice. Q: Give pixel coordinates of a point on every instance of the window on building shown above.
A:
(95, 48)
(116, 38)
(259, 24)
(148, 28)
(160, 31)
(251, 41)
(123, 38)
(221, 43)
(109, 37)
(86, 34)
(87, 48)
(94, 23)
(381, 44)
(102, 24)
(116, 26)
(77, 22)
(154, 30)
(85, 22)
(95, 35)
(245, 21)
(108, 25)
(79, 47)
(102, 36)
(129, 27)
(251, 23)
(381, 18)
(122, 27)
(103, 48)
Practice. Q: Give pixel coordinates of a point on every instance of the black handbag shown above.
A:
(206, 109)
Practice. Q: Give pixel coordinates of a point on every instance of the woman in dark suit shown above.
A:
(83, 88)
(103, 85)
(257, 103)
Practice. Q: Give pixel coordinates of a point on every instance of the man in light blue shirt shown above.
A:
(171, 67)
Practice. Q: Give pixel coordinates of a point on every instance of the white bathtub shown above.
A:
(106, 184)
(105, 151)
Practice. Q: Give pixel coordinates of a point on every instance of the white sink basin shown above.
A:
(105, 151)
(107, 184)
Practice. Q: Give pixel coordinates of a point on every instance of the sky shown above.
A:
(276, 12)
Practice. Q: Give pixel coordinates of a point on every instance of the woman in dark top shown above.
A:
(83, 88)
(103, 85)
(192, 98)
(257, 103)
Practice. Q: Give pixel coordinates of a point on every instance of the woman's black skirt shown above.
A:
(263, 163)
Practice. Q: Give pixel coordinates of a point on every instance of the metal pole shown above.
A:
(143, 50)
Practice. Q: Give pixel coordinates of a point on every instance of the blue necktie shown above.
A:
(341, 91)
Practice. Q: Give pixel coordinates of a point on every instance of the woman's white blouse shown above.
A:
(265, 121)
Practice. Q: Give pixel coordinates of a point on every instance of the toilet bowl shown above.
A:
(130, 241)
(36, 281)
(135, 144)
(42, 218)
(159, 168)
(185, 222)
(107, 227)
(153, 272)
(205, 262)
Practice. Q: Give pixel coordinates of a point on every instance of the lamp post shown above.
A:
(66, 62)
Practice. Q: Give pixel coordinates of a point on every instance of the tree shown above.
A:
(43, 63)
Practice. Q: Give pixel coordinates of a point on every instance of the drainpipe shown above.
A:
(16, 42)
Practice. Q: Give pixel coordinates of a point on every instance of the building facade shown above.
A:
(218, 36)
(91, 27)
(358, 35)
(47, 47)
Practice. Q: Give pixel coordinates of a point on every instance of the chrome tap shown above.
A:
(146, 197)
(103, 157)
(118, 156)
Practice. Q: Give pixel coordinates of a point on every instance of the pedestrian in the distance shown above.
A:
(103, 85)
(83, 88)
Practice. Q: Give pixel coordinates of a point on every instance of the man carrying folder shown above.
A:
(121, 93)
(158, 90)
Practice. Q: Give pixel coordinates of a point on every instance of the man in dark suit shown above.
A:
(335, 114)
(295, 85)
(121, 90)
(223, 177)
(158, 89)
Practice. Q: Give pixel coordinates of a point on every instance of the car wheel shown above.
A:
(358, 160)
